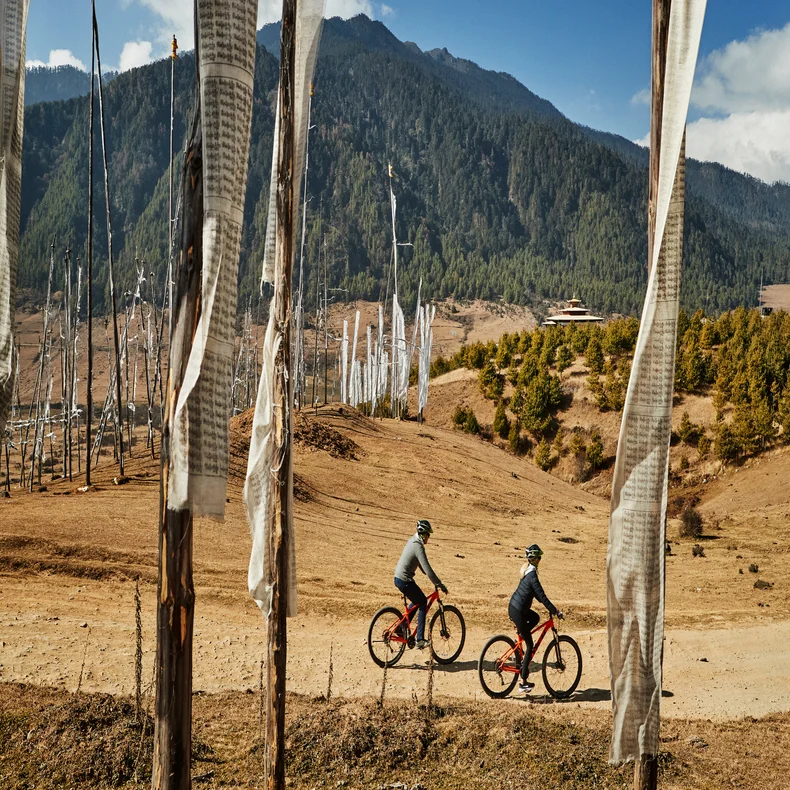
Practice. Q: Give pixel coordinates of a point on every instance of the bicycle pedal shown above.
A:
(410, 642)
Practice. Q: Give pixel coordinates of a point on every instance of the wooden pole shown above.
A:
(646, 767)
(326, 328)
(661, 10)
(119, 412)
(277, 560)
(89, 394)
(176, 595)
(169, 285)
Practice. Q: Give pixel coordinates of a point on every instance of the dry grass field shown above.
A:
(69, 561)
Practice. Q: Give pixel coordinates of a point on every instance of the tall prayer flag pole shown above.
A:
(637, 524)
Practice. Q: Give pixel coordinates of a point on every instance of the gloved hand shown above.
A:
(443, 589)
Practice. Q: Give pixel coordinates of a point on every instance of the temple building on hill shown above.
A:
(573, 313)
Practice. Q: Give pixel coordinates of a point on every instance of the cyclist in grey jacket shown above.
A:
(520, 609)
(414, 557)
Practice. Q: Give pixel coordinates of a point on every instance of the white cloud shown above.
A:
(134, 54)
(746, 76)
(58, 57)
(271, 10)
(178, 16)
(348, 8)
(742, 92)
(387, 10)
(641, 97)
(750, 142)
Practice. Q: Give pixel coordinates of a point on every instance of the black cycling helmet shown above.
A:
(424, 527)
(533, 552)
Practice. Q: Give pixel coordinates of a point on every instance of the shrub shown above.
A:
(690, 523)
(697, 551)
(703, 446)
(459, 416)
(684, 463)
(754, 568)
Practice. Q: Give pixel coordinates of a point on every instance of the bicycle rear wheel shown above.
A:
(383, 650)
(448, 634)
(562, 667)
(498, 678)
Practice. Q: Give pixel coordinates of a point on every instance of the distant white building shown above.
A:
(574, 313)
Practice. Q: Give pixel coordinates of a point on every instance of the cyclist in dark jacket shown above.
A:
(520, 609)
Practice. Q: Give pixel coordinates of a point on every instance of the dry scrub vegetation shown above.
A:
(53, 739)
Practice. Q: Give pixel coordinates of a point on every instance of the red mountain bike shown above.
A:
(500, 663)
(391, 632)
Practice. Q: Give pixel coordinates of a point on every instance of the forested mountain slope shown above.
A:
(500, 194)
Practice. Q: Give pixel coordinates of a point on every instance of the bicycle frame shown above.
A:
(549, 625)
(394, 632)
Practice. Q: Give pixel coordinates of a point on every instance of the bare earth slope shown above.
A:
(67, 562)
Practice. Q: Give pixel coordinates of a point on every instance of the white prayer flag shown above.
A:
(13, 24)
(199, 442)
(265, 456)
(635, 559)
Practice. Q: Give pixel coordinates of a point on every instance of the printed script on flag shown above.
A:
(635, 559)
(199, 445)
(13, 23)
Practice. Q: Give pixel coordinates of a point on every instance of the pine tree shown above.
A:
(687, 430)
(559, 441)
(783, 415)
(726, 447)
(514, 438)
(594, 355)
(501, 424)
(491, 382)
(577, 446)
(595, 451)
(565, 358)
(613, 389)
(543, 455)
(763, 420)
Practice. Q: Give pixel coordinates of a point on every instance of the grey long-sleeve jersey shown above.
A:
(414, 556)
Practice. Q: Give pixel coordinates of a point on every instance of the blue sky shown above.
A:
(592, 60)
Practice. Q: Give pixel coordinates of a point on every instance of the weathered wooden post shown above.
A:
(89, 392)
(283, 398)
(175, 593)
(119, 412)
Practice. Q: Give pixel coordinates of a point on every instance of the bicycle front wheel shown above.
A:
(562, 667)
(448, 634)
(498, 677)
(383, 650)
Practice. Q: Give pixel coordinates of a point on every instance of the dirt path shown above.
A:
(46, 627)
(67, 561)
